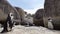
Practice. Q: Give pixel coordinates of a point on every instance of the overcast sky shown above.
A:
(29, 6)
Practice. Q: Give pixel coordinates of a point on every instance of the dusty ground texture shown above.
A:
(31, 30)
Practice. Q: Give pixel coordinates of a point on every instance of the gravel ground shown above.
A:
(30, 30)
